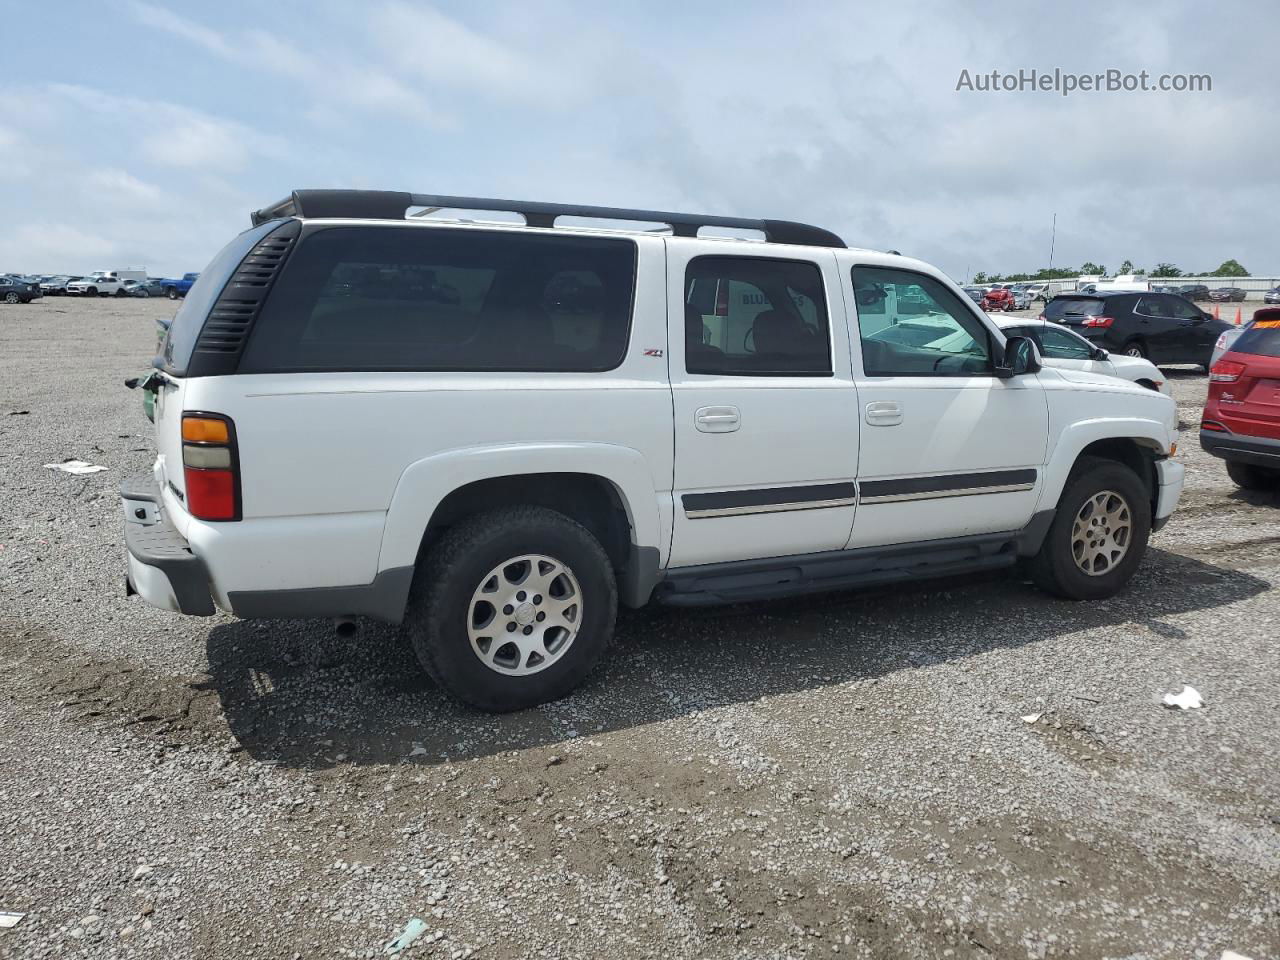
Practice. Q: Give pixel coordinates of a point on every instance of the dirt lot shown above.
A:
(843, 775)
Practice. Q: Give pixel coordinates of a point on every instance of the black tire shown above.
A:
(436, 620)
(120, 292)
(1250, 477)
(1134, 348)
(1054, 568)
(92, 291)
(172, 293)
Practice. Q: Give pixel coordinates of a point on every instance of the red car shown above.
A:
(1241, 420)
(997, 299)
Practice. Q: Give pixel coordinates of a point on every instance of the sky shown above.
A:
(136, 133)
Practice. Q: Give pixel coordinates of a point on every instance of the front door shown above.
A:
(948, 449)
(766, 416)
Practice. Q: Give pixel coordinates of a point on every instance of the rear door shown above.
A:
(766, 415)
(1161, 331)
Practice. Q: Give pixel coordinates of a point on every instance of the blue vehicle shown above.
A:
(176, 289)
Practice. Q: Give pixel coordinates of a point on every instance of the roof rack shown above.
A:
(391, 205)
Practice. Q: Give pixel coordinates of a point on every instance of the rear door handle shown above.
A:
(884, 413)
(717, 419)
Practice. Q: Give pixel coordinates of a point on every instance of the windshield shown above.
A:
(1262, 338)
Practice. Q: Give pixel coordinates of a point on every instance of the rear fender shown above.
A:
(425, 483)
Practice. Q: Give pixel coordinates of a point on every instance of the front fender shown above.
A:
(426, 482)
(1147, 432)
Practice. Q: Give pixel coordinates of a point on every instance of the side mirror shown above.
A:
(1020, 357)
(1099, 354)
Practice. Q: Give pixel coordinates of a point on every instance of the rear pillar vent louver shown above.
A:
(230, 321)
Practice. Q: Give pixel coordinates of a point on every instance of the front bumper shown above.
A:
(1170, 475)
(1258, 451)
(161, 567)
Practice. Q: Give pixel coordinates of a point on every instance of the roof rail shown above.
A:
(391, 205)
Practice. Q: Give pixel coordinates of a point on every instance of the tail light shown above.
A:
(1226, 371)
(211, 466)
(1099, 321)
(1213, 426)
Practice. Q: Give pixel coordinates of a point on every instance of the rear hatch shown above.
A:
(1082, 313)
(1249, 404)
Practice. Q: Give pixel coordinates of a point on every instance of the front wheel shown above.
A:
(512, 608)
(1250, 477)
(1099, 533)
(172, 293)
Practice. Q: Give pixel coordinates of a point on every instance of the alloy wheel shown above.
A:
(1101, 533)
(524, 615)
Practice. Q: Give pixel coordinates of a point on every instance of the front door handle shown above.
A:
(884, 413)
(717, 419)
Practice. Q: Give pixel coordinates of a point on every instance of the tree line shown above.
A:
(1229, 268)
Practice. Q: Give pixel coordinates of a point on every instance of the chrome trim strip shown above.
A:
(771, 508)
(938, 494)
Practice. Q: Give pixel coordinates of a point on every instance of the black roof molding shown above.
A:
(391, 205)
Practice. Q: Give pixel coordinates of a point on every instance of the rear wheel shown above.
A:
(512, 608)
(172, 293)
(1134, 348)
(1250, 477)
(11, 297)
(1099, 533)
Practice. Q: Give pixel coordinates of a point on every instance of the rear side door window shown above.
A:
(912, 325)
(753, 316)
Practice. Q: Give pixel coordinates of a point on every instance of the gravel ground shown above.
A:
(847, 775)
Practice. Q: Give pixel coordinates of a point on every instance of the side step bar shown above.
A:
(773, 577)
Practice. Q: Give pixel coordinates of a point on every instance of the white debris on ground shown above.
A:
(1188, 699)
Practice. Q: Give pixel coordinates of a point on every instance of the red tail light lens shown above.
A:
(1226, 371)
(210, 466)
(1213, 426)
(1099, 321)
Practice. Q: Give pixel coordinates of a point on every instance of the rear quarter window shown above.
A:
(428, 299)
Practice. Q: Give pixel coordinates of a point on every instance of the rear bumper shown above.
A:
(1259, 451)
(160, 565)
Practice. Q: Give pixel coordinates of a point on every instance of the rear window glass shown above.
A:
(1261, 339)
(187, 323)
(413, 298)
(1074, 307)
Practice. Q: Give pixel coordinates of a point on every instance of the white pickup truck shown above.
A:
(495, 433)
(104, 283)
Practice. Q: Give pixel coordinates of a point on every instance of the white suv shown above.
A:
(495, 433)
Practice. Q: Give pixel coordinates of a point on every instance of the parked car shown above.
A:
(144, 288)
(1161, 327)
(974, 293)
(1227, 294)
(643, 441)
(1224, 342)
(997, 298)
(1241, 421)
(17, 290)
(104, 283)
(1021, 299)
(1272, 295)
(1194, 291)
(1061, 347)
(55, 286)
(176, 289)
